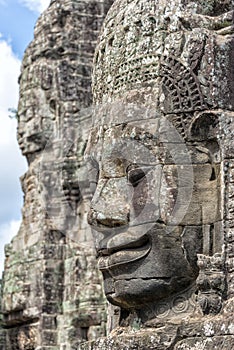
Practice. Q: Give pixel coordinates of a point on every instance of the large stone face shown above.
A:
(52, 291)
(160, 167)
(161, 154)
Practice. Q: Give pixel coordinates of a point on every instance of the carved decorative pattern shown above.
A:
(176, 306)
(180, 87)
(211, 282)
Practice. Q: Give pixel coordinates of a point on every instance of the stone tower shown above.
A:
(162, 159)
(52, 293)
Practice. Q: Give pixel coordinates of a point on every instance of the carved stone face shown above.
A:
(35, 114)
(154, 149)
(153, 193)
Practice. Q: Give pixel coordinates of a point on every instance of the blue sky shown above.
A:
(17, 20)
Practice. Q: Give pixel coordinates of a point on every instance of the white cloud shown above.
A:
(35, 5)
(12, 164)
(9, 72)
(7, 232)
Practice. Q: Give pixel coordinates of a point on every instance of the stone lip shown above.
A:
(126, 252)
(123, 240)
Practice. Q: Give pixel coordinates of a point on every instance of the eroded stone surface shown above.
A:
(160, 158)
(161, 155)
(52, 292)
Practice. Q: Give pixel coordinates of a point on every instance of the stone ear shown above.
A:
(204, 127)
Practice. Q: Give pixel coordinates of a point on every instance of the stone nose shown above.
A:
(110, 204)
(108, 218)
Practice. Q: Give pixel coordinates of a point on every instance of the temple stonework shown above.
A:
(150, 168)
(52, 292)
(161, 157)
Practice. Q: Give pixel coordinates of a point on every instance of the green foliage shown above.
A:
(13, 113)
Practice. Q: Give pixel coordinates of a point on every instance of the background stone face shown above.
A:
(52, 292)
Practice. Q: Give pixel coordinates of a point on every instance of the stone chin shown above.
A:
(137, 293)
(163, 270)
(139, 283)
